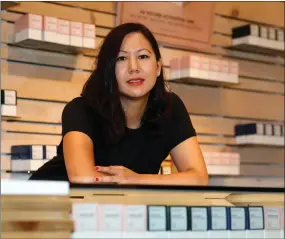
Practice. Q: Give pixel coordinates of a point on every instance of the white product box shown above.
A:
(50, 29)
(111, 217)
(50, 151)
(214, 69)
(63, 32)
(89, 36)
(175, 68)
(224, 75)
(204, 68)
(8, 110)
(19, 165)
(28, 26)
(233, 72)
(9, 97)
(135, 218)
(85, 217)
(76, 34)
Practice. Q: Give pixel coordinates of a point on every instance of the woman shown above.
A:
(125, 123)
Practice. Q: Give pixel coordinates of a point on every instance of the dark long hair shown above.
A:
(101, 90)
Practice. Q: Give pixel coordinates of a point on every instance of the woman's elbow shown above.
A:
(203, 178)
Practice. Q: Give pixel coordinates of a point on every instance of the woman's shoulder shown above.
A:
(78, 108)
(76, 105)
(175, 102)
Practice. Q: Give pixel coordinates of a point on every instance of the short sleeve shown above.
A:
(76, 116)
(180, 127)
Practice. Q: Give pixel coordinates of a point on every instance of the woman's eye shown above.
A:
(121, 58)
(143, 56)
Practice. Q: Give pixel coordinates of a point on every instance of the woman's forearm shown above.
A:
(189, 177)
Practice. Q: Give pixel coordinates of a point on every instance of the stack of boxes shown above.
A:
(260, 133)
(27, 158)
(209, 69)
(93, 220)
(9, 103)
(222, 163)
(33, 209)
(53, 33)
(258, 36)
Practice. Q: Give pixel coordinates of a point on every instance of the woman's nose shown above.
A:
(133, 64)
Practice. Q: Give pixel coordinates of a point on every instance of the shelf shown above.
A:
(55, 47)
(9, 118)
(8, 4)
(255, 45)
(202, 81)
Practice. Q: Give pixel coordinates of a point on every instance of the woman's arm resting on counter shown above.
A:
(79, 158)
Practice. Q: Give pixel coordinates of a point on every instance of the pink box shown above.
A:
(63, 32)
(49, 29)
(224, 75)
(233, 71)
(174, 68)
(204, 67)
(29, 26)
(89, 35)
(214, 68)
(76, 34)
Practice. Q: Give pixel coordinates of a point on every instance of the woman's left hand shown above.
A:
(117, 174)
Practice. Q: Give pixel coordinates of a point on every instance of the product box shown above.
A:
(27, 152)
(9, 110)
(76, 34)
(28, 27)
(63, 32)
(8, 97)
(50, 29)
(89, 36)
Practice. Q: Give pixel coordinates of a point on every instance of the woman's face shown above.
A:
(136, 67)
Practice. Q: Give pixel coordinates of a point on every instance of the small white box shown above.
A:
(254, 30)
(8, 110)
(268, 129)
(29, 26)
(224, 76)
(178, 218)
(193, 66)
(135, 218)
(157, 218)
(175, 68)
(50, 151)
(166, 169)
(8, 97)
(214, 69)
(76, 34)
(204, 68)
(272, 33)
(233, 72)
(63, 32)
(20, 165)
(264, 32)
(111, 218)
(85, 217)
(280, 35)
(89, 36)
(37, 152)
(49, 29)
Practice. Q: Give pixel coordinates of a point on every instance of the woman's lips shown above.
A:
(136, 81)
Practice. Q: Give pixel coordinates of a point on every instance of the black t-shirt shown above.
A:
(140, 149)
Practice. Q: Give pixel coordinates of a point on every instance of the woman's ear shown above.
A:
(159, 65)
